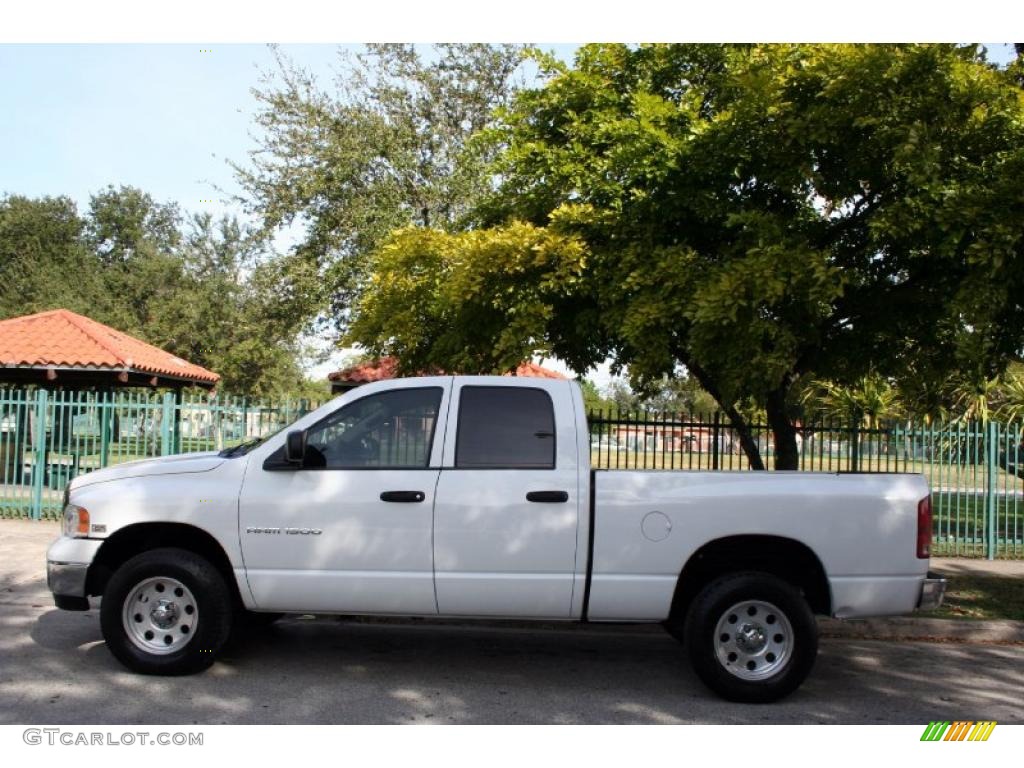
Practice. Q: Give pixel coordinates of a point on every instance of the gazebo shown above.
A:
(62, 348)
(74, 362)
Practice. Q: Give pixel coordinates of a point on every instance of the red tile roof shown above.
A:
(62, 339)
(387, 368)
(365, 373)
(536, 371)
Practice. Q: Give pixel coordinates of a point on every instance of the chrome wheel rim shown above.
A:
(160, 615)
(753, 640)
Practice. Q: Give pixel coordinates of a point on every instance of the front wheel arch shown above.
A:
(125, 543)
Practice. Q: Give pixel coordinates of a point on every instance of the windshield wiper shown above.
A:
(241, 449)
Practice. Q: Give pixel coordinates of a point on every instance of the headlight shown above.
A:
(76, 521)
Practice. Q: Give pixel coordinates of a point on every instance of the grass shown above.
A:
(981, 598)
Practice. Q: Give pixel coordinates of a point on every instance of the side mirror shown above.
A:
(295, 446)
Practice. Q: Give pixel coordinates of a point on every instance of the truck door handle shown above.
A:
(408, 497)
(548, 497)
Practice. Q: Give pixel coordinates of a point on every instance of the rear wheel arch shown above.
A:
(786, 558)
(132, 540)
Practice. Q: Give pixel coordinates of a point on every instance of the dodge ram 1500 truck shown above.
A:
(473, 496)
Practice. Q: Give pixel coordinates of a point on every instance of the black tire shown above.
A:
(709, 650)
(214, 610)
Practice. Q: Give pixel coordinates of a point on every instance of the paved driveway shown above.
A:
(54, 668)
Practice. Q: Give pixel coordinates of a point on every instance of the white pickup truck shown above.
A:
(474, 497)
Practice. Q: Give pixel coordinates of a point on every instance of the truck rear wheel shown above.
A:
(166, 612)
(751, 637)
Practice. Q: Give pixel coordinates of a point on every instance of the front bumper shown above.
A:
(933, 589)
(67, 569)
(67, 582)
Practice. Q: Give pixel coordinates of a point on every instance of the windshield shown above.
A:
(243, 448)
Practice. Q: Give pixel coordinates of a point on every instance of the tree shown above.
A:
(592, 399)
(678, 394)
(865, 403)
(473, 302)
(760, 215)
(205, 290)
(44, 262)
(229, 313)
(136, 241)
(1011, 401)
(391, 147)
(620, 397)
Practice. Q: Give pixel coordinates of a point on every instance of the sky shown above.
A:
(164, 118)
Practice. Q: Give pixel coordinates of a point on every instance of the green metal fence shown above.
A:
(49, 437)
(975, 470)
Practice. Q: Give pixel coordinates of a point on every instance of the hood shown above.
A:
(166, 465)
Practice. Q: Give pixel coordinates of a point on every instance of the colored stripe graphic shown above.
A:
(958, 730)
(982, 730)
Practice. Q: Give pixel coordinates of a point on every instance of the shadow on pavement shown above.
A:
(54, 667)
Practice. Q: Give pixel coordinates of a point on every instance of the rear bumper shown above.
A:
(933, 590)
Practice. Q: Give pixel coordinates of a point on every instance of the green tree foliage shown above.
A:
(761, 215)
(474, 302)
(668, 395)
(1011, 401)
(867, 402)
(621, 398)
(229, 312)
(389, 147)
(592, 398)
(136, 241)
(199, 288)
(678, 394)
(41, 247)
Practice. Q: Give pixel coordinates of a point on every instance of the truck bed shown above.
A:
(645, 525)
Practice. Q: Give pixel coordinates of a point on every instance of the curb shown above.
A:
(927, 630)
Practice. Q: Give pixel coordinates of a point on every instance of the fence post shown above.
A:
(177, 414)
(165, 424)
(991, 466)
(714, 440)
(39, 455)
(855, 442)
(245, 419)
(105, 408)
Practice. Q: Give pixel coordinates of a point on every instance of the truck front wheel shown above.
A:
(166, 612)
(751, 637)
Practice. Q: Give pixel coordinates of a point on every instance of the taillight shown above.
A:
(924, 527)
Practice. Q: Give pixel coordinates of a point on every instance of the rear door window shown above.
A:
(505, 428)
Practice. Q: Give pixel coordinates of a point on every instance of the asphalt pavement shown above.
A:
(55, 668)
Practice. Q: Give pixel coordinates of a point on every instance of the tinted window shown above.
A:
(505, 427)
(390, 429)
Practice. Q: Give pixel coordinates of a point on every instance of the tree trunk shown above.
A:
(737, 422)
(747, 441)
(787, 453)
